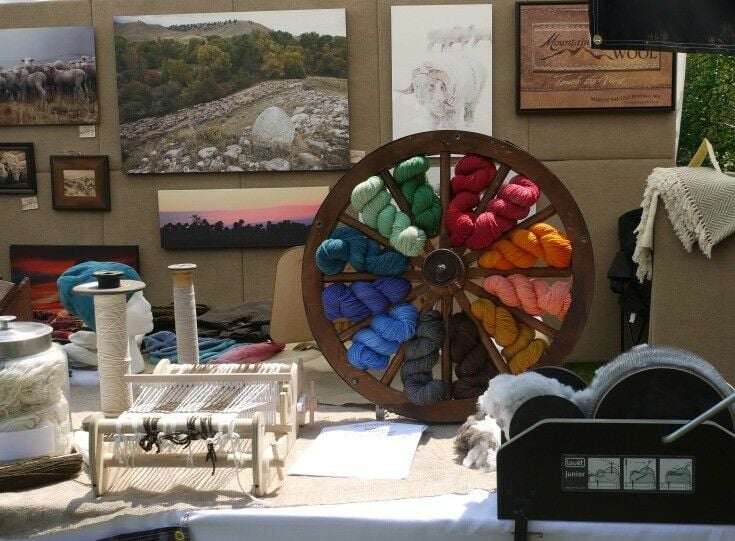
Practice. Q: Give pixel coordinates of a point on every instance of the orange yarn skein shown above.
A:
(536, 297)
(526, 246)
(521, 348)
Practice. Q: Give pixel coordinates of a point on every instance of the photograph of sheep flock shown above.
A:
(442, 68)
(229, 92)
(48, 76)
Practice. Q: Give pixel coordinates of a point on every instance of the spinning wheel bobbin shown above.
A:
(443, 274)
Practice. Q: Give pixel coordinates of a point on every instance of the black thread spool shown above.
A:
(108, 279)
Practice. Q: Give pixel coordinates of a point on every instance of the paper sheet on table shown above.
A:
(374, 450)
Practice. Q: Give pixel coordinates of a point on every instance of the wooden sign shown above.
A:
(558, 70)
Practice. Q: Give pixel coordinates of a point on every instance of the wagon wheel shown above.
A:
(444, 276)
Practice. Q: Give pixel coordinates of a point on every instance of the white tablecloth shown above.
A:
(468, 516)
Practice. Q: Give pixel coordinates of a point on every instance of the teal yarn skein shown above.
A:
(348, 245)
(372, 199)
(425, 204)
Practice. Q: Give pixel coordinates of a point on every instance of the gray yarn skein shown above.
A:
(422, 353)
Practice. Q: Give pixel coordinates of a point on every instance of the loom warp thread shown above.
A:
(422, 354)
(348, 245)
(473, 174)
(526, 246)
(372, 347)
(362, 299)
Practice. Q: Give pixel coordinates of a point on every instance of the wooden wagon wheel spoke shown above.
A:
(492, 190)
(402, 202)
(540, 216)
(370, 233)
(399, 358)
(490, 346)
(518, 313)
(444, 194)
(445, 354)
(442, 273)
(349, 332)
(532, 272)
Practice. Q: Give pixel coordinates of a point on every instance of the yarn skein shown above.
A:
(422, 353)
(426, 207)
(348, 245)
(473, 174)
(522, 347)
(526, 246)
(373, 201)
(372, 347)
(363, 299)
(536, 297)
(472, 364)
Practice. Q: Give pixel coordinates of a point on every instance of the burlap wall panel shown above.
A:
(102, 13)
(506, 124)
(693, 301)
(44, 226)
(603, 189)
(48, 140)
(580, 148)
(603, 136)
(134, 220)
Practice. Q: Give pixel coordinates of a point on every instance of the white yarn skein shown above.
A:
(113, 355)
(185, 316)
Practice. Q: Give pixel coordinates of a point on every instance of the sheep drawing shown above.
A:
(446, 38)
(15, 169)
(449, 90)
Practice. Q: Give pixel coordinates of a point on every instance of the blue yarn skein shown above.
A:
(82, 306)
(348, 245)
(422, 353)
(363, 299)
(372, 347)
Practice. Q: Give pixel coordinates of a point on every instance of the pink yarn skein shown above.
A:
(536, 297)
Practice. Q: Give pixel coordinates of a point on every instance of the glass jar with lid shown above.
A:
(35, 419)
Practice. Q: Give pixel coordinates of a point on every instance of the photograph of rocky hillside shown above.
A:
(228, 92)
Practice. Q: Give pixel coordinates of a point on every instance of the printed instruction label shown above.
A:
(585, 473)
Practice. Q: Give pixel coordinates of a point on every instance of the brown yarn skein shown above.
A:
(473, 368)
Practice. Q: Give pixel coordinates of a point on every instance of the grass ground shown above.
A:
(64, 111)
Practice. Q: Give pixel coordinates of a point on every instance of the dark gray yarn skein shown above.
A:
(422, 353)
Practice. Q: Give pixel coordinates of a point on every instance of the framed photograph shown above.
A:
(238, 217)
(231, 92)
(80, 182)
(43, 264)
(48, 76)
(17, 168)
(441, 59)
(558, 70)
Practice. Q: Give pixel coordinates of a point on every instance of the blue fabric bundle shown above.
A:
(162, 345)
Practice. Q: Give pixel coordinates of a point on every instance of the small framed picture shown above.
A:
(559, 71)
(17, 168)
(80, 182)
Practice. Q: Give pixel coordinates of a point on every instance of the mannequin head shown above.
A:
(139, 316)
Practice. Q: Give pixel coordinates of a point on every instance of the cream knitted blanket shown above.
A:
(701, 205)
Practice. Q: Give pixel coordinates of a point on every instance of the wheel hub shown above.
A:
(443, 267)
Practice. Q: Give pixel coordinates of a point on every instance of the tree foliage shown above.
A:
(156, 77)
(709, 108)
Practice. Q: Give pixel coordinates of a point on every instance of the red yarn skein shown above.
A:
(473, 174)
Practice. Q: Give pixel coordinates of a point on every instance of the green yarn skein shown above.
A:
(373, 201)
(410, 175)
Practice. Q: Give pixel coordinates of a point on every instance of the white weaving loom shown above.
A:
(243, 415)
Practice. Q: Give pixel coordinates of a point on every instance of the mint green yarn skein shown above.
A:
(373, 201)
(410, 175)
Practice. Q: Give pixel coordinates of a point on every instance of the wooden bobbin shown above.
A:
(109, 283)
(183, 274)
